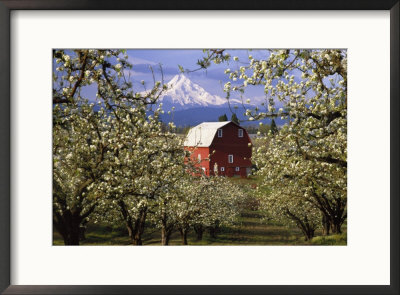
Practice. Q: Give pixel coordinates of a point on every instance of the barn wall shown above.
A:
(231, 143)
(204, 152)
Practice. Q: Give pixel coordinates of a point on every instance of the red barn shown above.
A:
(220, 146)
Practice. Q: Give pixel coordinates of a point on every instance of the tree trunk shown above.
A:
(139, 227)
(129, 227)
(199, 231)
(69, 227)
(302, 222)
(334, 211)
(184, 233)
(336, 227)
(82, 230)
(135, 228)
(165, 236)
(213, 232)
(71, 240)
(71, 236)
(326, 225)
(214, 229)
(166, 231)
(308, 232)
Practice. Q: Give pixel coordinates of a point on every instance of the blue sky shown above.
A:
(210, 80)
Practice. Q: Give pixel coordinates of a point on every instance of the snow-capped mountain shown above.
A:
(183, 94)
(193, 104)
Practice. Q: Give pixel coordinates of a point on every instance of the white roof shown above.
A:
(203, 134)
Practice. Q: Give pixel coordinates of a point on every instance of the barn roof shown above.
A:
(203, 134)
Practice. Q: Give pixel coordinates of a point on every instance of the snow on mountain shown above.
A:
(183, 94)
(193, 104)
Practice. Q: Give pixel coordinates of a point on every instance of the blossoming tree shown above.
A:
(148, 164)
(197, 202)
(92, 137)
(305, 163)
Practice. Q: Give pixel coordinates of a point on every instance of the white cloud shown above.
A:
(140, 61)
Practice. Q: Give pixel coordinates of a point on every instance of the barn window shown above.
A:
(222, 169)
(199, 157)
(230, 158)
(237, 169)
(240, 133)
(219, 132)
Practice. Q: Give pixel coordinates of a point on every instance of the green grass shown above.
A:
(249, 229)
(99, 234)
(340, 239)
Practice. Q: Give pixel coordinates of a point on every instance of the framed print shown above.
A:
(249, 150)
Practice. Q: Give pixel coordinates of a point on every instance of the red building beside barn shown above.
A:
(226, 145)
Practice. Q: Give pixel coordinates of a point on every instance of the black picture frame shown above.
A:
(6, 6)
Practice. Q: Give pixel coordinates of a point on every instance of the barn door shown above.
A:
(230, 171)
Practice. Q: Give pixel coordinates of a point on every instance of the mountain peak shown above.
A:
(182, 93)
(179, 78)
